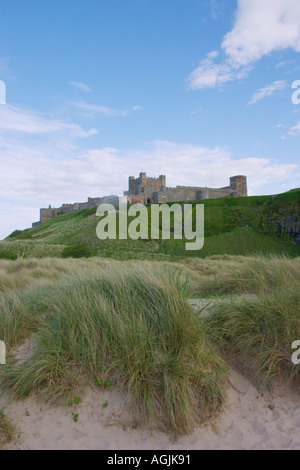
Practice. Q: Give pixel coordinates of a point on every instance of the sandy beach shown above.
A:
(249, 420)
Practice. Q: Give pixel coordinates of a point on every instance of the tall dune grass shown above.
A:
(133, 325)
(130, 322)
(256, 274)
(260, 330)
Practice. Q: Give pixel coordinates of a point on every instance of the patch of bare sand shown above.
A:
(249, 421)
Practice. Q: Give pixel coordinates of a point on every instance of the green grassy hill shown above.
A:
(237, 226)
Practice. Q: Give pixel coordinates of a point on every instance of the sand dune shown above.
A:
(249, 421)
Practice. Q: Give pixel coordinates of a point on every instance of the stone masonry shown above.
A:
(145, 190)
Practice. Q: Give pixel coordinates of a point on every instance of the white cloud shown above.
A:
(81, 86)
(37, 169)
(268, 91)
(213, 54)
(209, 74)
(33, 175)
(261, 27)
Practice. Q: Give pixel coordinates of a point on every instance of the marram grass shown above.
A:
(130, 322)
(133, 325)
(253, 274)
(259, 331)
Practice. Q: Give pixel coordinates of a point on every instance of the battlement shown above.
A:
(146, 190)
(144, 184)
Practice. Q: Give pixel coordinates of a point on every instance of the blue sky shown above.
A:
(97, 90)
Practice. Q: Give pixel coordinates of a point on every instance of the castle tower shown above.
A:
(131, 185)
(239, 185)
(162, 179)
(143, 180)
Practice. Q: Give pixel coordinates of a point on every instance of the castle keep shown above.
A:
(144, 190)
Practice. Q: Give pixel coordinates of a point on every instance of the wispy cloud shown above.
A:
(284, 63)
(96, 109)
(17, 120)
(4, 69)
(268, 91)
(217, 7)
(295, 130)
(93, 109)
(81, 86)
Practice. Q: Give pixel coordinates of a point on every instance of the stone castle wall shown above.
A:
(153, 190)
(51, 213)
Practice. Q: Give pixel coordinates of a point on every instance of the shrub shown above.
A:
(77, 251)
(24, 235)
(90, 211)
(7, 254)
(15, 234)
(20, 234)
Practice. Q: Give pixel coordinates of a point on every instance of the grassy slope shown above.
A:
(232, 226)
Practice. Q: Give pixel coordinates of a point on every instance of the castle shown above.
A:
(144, 190)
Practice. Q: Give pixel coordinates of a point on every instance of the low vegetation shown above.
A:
(77, 251)
(7, 429)
(8, 254)
(259, 327)
(131, 325)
